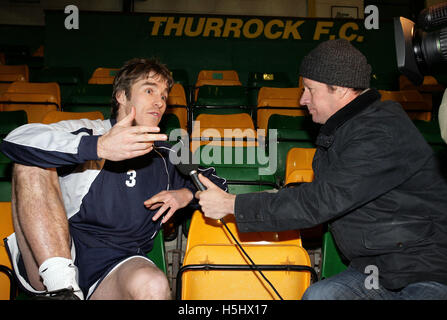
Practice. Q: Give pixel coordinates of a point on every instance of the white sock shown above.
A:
(60, 273)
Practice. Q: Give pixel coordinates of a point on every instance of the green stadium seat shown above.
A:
(5, 190)
(158, 254)
(332, 262)
(9, 120)
(215, 99)
(91, 94)
(67, 78)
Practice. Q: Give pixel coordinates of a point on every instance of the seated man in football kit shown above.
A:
(114, 182)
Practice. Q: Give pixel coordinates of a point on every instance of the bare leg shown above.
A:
(39, 218)
(136, 279)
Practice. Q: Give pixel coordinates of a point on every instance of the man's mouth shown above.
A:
(155, 114)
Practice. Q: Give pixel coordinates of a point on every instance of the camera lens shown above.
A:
(431, 47)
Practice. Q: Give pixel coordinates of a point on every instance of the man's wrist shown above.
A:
(230, 203)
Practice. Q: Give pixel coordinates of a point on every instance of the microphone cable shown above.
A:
(251, 261)
(191, 170)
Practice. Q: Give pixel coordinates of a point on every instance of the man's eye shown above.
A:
(148, 90)
(164, 98)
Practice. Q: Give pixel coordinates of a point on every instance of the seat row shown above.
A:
(213, 266)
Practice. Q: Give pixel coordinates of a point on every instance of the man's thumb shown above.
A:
(128, 120)
(206, 182)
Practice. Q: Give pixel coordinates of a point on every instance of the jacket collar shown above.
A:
(360, 103)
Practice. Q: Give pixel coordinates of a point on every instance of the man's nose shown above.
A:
(304, 100)
(158, 102)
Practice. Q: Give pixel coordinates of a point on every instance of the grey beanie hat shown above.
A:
(337, 62)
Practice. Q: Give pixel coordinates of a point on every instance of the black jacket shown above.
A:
(378, 184)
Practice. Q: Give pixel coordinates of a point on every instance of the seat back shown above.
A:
(14, 73)
(257, 80)
(283, 101)
(177, 104)
(223, 130)
(56, 116)
(216, 78)
(103, 76)
(299, 165)
(412, 102)
(35, 98)
(229, 275)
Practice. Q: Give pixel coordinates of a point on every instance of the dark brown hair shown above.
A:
(132, 71)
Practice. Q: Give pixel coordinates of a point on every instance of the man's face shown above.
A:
(148, 95)
(320, 100)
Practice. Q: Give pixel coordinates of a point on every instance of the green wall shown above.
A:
(262, 44)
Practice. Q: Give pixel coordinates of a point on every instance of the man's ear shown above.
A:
(121, 97)
(341, 91)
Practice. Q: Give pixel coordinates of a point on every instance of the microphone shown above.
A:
(191, 170)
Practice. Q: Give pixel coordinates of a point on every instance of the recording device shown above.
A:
(421, 46)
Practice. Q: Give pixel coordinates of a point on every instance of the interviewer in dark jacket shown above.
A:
(377, 183)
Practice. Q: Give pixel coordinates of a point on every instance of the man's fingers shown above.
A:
(152, 137)
(160, 212)
(143, 129)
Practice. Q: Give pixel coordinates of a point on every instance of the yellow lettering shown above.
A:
(157, 22)
(259, 27)
(213, 24)
(268, 29)
(321, 28)
(233, 25)
(190, 33)
(345, 27)
(292, 29)
(178, 27)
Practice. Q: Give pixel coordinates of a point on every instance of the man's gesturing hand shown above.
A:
(125, 141)
(215, 202)
(172, 200)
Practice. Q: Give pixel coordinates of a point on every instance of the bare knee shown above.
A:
(149, 283)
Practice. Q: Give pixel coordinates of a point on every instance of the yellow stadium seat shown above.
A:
(35, 98)
(4, 86)
(223, 130)
(6, 228)
(56, 116)
(214, 268)
(34, 113)
(299, 165)
(47, 91)
(177, 104)
(284, 101)
(412, 101)
(14, 73)
(103, 76)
